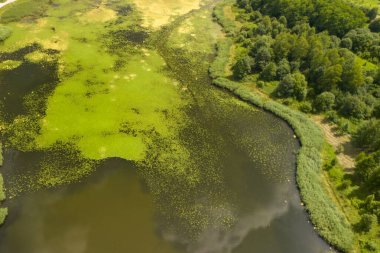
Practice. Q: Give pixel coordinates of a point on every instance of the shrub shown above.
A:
(269, 72)
(283, 69)
(366, 222)
(293, 85)
(305, 107)
(372, 13)
(324, 102)
(260, 84)
(346, 43)
(375, 25)
(353, 106)
(368, 135)
(242, 67)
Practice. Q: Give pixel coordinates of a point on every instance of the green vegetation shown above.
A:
(326, 216)
(113, 95)
(270, 54)
(75, 111)
(24, 9)
(5, 32)
(318, 57)
(337, 17)
(375, 26)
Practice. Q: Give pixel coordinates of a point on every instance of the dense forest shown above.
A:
(321, 57)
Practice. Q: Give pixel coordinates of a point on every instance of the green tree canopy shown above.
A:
(324, 102)
(368, 136)
(293, 85)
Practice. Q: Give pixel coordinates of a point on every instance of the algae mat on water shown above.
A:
(113, 97)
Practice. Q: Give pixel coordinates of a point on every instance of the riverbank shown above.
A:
(6, 3)
(328, 219)
(3, 211)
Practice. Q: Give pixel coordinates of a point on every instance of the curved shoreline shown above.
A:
(6, 3)
(328, 220)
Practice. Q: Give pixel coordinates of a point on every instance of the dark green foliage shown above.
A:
(362, 39)
(346, 43)
(375, 26)
(371, 205)
(293, 85)
(366, 222)
(317, 56)
(283, 69)
(324, 102)
(368, 136)
(269, 73)
(263, 57)
(365, 43)
(353, 106)
(242, 67)
(305, 107)
(367, 167)
(352, 75)
(372, 13)
(329, 78)
(337, 16)
(369, 245)
(283, 44)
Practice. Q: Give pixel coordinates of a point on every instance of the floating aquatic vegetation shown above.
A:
(9, 65)
(116, 96)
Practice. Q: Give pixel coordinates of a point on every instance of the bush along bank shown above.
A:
(326, 216)
(3, 211)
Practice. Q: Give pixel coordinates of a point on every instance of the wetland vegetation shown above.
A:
(111, 129)
(296, 53)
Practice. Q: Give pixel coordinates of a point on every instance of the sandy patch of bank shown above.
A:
(100, 14)
(160, 12)
(347, 157)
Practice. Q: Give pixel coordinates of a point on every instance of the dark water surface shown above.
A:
(112, 210)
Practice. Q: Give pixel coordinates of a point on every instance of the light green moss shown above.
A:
(9, 65)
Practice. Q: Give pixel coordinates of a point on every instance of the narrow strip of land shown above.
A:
(342, 144)
(6, 3)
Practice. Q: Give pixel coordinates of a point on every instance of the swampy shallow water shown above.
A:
(121, 144)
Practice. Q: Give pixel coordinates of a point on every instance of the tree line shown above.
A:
(323, 55)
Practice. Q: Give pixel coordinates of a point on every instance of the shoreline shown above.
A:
(6, 3)
(328, 220)
(3, 210)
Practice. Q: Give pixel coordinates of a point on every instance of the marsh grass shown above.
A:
(23, 9)
(3, 211)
